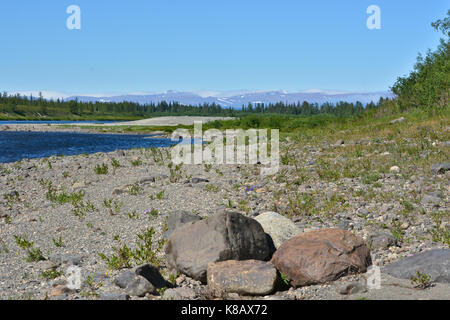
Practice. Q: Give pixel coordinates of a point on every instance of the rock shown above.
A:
(434, 263)
(45, 265)
(339, 142)
(79, 185)
(69, 259)
(134, 284)
(249, 277)
(399, 120)
(120, 153)
(140, 287)
(113, 296)
(122, 189)
(279, 228)
(178, 219)
(320, 256)
(404, 226)
(197, 180)
(430, 199)
(152, 274)
(343, 224)
(153, 178)
(171, 294)
(351, 288)
(381, 240)
(59, 291)
(439, 168)
(223, 236)
(124, 279)
(183, 293)
(394, 169)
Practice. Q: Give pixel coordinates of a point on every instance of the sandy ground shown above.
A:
(81, 127)
(169, 121)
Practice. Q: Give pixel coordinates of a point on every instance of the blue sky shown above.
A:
(197, 45)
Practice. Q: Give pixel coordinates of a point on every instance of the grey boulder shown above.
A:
(439, 168)
(179, 219)
(223, 236)
(434, 263)
(279, 228)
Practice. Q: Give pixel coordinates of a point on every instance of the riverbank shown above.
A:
(160, 125)
(378, 182)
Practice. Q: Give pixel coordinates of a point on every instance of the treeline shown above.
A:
(427, 87)
(340, 109)
(23, 105)
(39, 107)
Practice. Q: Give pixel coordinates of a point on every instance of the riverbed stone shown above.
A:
(249, 277)
(321, 256)
(434, 263)
(178, 219)
(439, 168)
(279, 228)
(223, 236)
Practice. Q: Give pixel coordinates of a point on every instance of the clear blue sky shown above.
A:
(157, 45)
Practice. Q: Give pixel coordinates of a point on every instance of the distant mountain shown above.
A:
(237, 99)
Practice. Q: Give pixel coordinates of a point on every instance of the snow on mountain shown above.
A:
(238, 98)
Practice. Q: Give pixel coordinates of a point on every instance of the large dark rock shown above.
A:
(321, 256)
(434, 263)
(178, 219)
(249, 277)
(439, 168)
(224, 236)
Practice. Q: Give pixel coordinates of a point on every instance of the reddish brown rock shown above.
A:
(248, 277)
(321, 256)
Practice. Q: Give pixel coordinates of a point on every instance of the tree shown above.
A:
(428, 85)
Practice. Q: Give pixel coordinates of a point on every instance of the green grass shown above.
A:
(146, 251)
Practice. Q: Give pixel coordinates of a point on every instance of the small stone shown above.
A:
(140, 287)
(59, 290)
(113, 296)
(394, 169)
(122, 189)
(399, 120)
(182, 293)
(46, 265)
(197, 180)
(381, 240)
(351, 288)
(405, 225)
(69, 259)
(79, 185)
